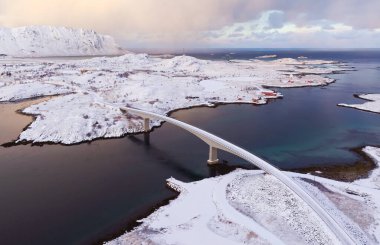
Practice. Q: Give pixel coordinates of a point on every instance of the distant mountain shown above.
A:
(38, 41)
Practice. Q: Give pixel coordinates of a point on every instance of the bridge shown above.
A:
(215, 143)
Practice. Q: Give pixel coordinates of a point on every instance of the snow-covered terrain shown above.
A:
(38, 41)
(250, 207)
(93, 90)
(267, 56)
(374, 179)
(373, 104)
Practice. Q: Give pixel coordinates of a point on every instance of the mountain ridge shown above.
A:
(40, 41)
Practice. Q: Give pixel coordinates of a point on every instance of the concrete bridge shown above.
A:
(215, 143)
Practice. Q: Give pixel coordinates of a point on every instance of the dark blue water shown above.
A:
(306, 128)
(346, 55)
(92, 192)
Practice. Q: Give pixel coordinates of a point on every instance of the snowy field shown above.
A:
(250, 207)
(372, 105)
(92, 90)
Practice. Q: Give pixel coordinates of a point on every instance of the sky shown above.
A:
(210, 23)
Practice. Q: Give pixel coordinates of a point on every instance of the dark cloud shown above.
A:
(276, 19)
(239, 29)
(234, 35)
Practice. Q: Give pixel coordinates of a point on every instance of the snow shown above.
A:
(251, 207)
(38, 41)
(267, 56)
(74, 126)
(373, 104)
(298, 224)
(374, 179)
(30, 90)
(211, 85)
(98, 87)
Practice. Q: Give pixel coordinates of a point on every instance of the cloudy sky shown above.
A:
(210, 23)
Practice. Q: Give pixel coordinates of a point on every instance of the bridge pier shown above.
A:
(213, 156)
(146, 124)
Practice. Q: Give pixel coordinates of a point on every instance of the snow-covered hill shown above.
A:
(37, 41)
(93, 90)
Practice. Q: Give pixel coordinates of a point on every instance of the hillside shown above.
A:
(38, 41)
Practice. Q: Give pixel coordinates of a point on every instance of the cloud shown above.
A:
(356, 13)
(239, 29)
(185, 21)
(276, 19)
(321, 34)
(124, 17)
(234, 35)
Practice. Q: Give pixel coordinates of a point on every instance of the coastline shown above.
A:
(132, 223)
(198, 84)
(360, 169)
(34, 116)
(16, 108)
(365, 165)
(330, 193)
(153, 127)
(171, 183)
(361, 107)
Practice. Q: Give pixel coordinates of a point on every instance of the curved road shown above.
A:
(216, 142)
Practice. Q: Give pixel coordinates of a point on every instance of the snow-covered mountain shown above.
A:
(37, 41)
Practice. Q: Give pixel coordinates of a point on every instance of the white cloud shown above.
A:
(325, 34)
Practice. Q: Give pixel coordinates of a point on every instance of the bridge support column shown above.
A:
(213, 156)
(146, 124)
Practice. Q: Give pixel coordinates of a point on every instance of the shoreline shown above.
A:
(10, 108)
(134, 223)
(169, 113)
(327, 170)
(359, 109)
(355, 106)
(343, 172)
(367, 101)
(244, 82)
(324, 190)
(130, 224)
(34, 116)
